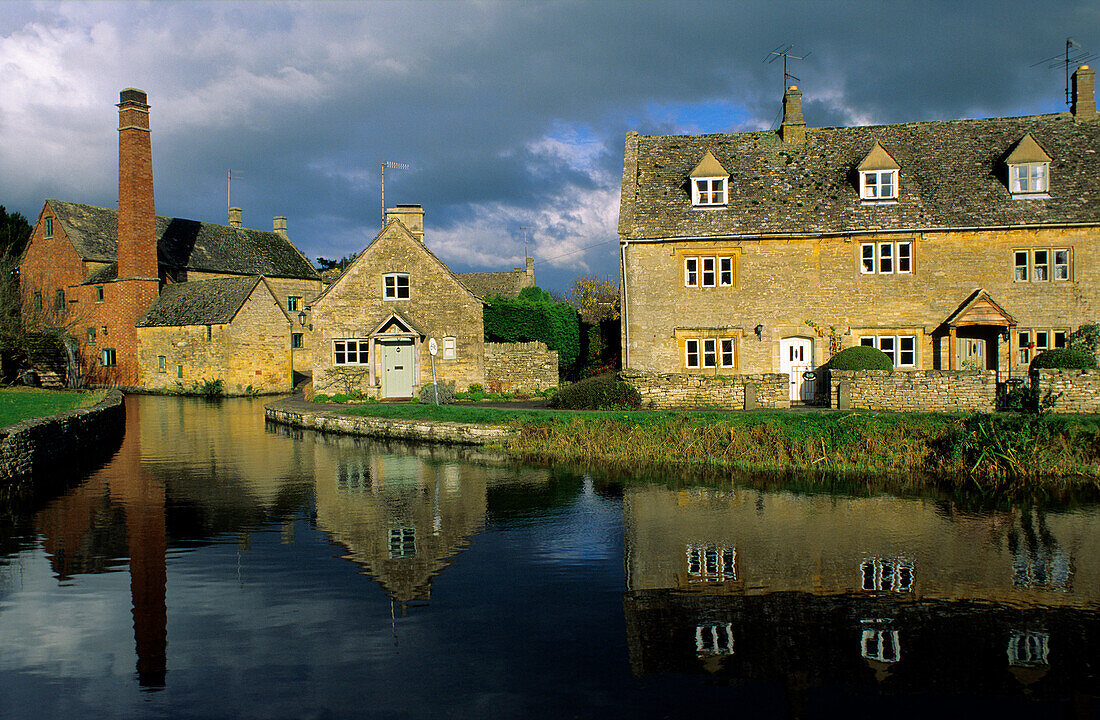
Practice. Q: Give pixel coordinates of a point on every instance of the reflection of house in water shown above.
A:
(901, 595)
(404, 517)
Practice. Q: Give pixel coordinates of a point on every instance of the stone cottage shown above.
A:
(946, 244)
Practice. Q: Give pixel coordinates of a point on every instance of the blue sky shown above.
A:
(510, 114)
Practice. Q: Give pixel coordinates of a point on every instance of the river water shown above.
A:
(218, 567)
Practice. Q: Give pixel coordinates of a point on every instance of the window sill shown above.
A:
(873, 201)
(723, 206)
(1031, 196)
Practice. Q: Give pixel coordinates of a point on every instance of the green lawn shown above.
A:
(24, 403)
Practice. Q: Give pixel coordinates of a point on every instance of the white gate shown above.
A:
(796, 359)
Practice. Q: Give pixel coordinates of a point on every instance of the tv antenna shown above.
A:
(229, 178)
(1074, 55)
(525, 228)
(394, 166)
(784, 51)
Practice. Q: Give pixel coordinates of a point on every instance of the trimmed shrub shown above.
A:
(446, 394)
(1063, 358)
(554, 323)
(861, 357)
(603, 392)
(535, 294)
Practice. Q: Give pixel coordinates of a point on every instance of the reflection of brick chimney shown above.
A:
(137, 223)
(411, 216)
(793, 129)
(278, 225)
(1084, 93)
(235, 217)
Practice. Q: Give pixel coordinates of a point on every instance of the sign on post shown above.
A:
(433, 348)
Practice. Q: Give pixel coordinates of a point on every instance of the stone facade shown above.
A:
(520, 367)
(249, 354)
(663, 391)
(426, 301)
(1074, 391)
(914, 391)
(954, 267)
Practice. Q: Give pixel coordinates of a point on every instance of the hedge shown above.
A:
(1063, 358)
(554, 323)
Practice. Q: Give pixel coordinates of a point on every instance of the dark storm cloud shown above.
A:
(510, 114)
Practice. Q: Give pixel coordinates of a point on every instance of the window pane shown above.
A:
(907, 350)
(727, 353)
(905, 257)
(867, 257)
(1059, 338)
(1042, 266)
(1061, 264)
(725, 271)
(886, 345)
(1041, 339)
(710, 357)
(704, 195)
(691, 272)
(708, 272)
(692, 351)
(867, 342)
(1021, 265)
(886, 258)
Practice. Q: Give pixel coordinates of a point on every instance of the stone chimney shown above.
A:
(793, 129)
(137, 221)
(278, 225)
(411, 216)
(235, 217)
(531, 269)
(1084, 98)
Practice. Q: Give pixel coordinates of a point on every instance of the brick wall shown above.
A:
(735, 392)
(1079, 390)
(520, 367)
(914, 391)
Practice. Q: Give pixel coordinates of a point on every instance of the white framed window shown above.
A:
(887, 574)
(1060, 337)
(1042, 265)
(885, 258)
(450, 348)
(691, 353)
(710, 352)
(691, 272)
(1027, 178)
(867, 341)
(901, 349)
(1023, 353)
(709, 279)
(867, 258)
(109, 359)
(99, 293)
(1022, 264)
(91, 336)
(1061, 264)
(888, 345)
(708, 192)
(350, 352)
(905, 257)
(728, 357)
(395, 286)
(725, 271)
(878, 185)
(292, 302)
(907, 351)
(1042, 341)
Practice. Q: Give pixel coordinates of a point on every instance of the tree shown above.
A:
(595, 297)
(15, 231)
(341, 264)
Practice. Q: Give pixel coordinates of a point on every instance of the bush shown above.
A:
(320, 398)
(477, 388)
(1063, 358)
(446, 394)
(860, 357)
(603, 392)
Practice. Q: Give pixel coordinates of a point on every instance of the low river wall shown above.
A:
(72, 438)
(289, 413)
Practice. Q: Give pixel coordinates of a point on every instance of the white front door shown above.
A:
(796, 359)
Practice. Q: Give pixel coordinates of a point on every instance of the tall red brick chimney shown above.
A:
(137, 224)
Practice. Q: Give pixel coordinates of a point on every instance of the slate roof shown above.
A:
(199, 302)
(494, 284)
(186, 244)
(952, 176)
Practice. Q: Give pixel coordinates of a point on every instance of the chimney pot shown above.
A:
(1084, 97)
(279, 225)
(235, 217)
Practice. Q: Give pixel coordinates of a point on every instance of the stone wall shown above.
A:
(914, 391)
(664, 391)
(1076, 391)
(70, 439)
(520, 367)
(436, 431)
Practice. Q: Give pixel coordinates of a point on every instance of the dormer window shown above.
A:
(1028, 169)
(878, 176)
(709, 183)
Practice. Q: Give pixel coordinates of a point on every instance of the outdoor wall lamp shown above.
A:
(302, 318)
(1004, 334)
(759, 330)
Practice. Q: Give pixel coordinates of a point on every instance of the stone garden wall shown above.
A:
(1075, 391)
(520, 367)
(914, 391)
(665, 391)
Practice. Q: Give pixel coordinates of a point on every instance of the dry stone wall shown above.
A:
(1075, 391)
(664, 391)
(437, 431)
(520, 367)
(914, 391)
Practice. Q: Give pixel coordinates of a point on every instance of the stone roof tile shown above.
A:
(199, 302)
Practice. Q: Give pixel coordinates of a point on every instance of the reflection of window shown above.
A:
(1041, 568)
(713, 640)
(1028, 649)
(353, 475)
(402, 542)
(711, 563)
(886, 574)
(879, 644)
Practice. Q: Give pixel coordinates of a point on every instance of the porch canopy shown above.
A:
(979, 309)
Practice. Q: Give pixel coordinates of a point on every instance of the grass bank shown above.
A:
(18, 404)
(999, 454)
